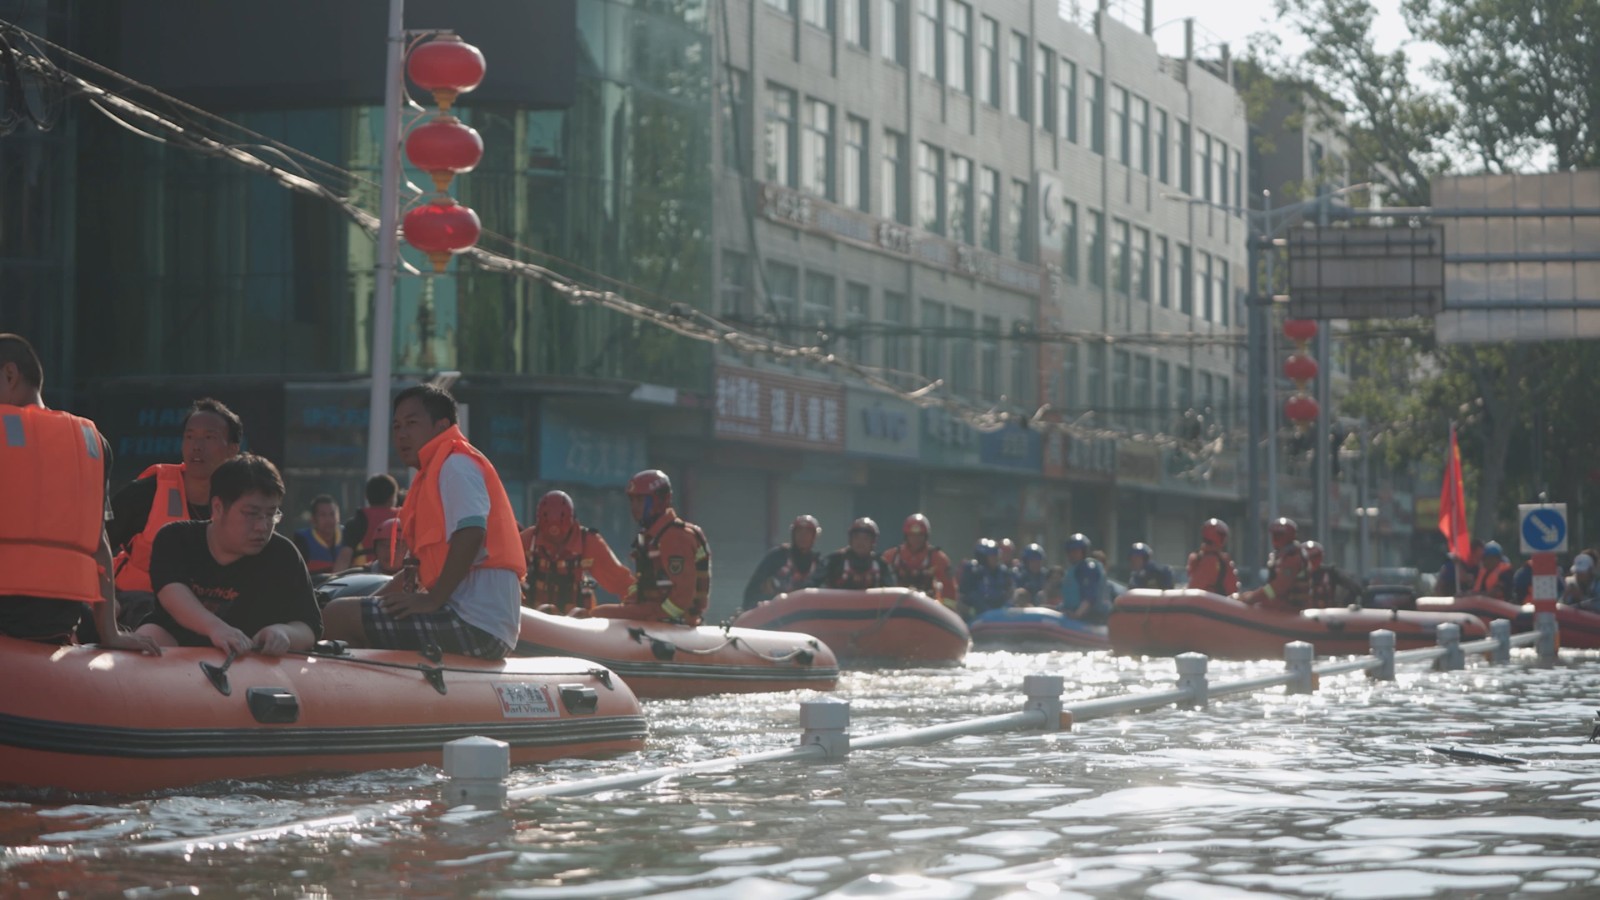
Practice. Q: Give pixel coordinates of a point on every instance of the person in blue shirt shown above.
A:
(1084, 594)
(1143, 572)
(1031, 576)
(985, 583)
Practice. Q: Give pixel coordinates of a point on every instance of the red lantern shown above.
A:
(1301, 410)
(1300, 369)
(444, 148)
(445, 66)
(441, 228)
(1301, 331)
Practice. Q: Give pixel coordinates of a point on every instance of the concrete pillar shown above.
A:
(1500, 630)
(477, 768)
(1192, 678)
(826, 723)
(1297, 657)
(1449, 635)
(1382, 644)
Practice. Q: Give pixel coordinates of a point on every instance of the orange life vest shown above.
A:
(171, 504)
(52, 474)
(561, 576)
(1491, 581)
(1226, 579)
(655, 583)
(917, 572)
(422, 522)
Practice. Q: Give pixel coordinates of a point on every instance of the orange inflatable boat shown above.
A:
(661, 660)
(1163, 623)
(877, 627)
(1576, 628)
(86, 719)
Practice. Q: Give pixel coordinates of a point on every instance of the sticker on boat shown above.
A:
(526, 701)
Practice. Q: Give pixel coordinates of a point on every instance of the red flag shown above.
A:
(1453, 504)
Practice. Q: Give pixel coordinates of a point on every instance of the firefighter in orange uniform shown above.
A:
(671, 559)
(566, 559)
(1288, 587)
(1210, 568)
(919, 565)
(54, 556)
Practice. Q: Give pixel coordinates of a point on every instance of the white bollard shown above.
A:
(1044, 694)
(826, 724)
(1500, 630)
(1192, 678)
(1382, 644)
(1449, 635)
(477, 768)
(1544, 622)
(1297, 657)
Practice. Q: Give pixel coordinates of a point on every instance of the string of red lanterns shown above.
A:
(444, 147)
(1300, 368)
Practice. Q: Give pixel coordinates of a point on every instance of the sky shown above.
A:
(1235, 21)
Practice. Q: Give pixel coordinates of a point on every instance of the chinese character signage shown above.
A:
(581, 454)
(879, 425)
(948, 440)
(764, 408)
(1012, 447)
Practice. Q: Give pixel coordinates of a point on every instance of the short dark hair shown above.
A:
(245, 473)
(436, 400)
(320, 499)
(381, 488)
(15, 349)
(221, 410)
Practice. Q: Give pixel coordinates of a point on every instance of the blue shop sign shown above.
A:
(580, 454)
(1012, 447)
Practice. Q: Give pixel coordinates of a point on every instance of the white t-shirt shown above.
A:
(489, 599)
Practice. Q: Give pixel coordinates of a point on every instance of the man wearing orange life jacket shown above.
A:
(54, 556)
(1494, 573)
(566, 559)
(920, 565)
(1210, 568)
(465, 595)
(165, 493)
(671, 559)
(362, 529)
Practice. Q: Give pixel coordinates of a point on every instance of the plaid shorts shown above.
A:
(443, 629)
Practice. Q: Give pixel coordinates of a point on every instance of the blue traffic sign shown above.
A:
(1544, 528)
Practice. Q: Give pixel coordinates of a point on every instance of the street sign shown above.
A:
(1544, 527)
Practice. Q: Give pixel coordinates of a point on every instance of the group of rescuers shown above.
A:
(187, 554)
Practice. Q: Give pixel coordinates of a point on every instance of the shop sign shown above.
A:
(878, 425)
(948, 440)
(1012, 447)
(582, 454)
(144, 426)
(326, 428)
(1139, 463)
(778, 410)
(1092, 456)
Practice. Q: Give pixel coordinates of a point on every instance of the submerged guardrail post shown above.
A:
(1192, 678)
(826, 724)
(477, 768)
(1297, 657)
(1500, 630)
(1044, 694)
(1449, 635)
(1544, 622)
(1382, 644)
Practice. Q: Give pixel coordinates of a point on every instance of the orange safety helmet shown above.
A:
(1214, 532)
(656, 489)
(916, 523)
(1313, 553)
(1283, 532)
(554, 514)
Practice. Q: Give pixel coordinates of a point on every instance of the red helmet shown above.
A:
(1214, 532)
(554, 514)
(916, 523)
(864, 524)
(1283, 532)
(648, 482)
(805, 522)
(1313, 553)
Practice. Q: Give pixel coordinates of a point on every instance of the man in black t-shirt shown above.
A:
(232, 582)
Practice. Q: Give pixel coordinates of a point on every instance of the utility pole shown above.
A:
(1255, 389)
(1321, 505)
(388, 247)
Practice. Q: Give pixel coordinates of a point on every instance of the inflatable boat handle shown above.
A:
(218, 675)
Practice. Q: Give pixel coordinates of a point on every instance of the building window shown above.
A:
(958, 206)
(816, 149)
(1069, 240)
(1121, 405)
(1140, 126)
(1180, 158)
(1141, 392)
(1069, 377)
(735, 282)
(1202, 284)
(819, 309)
(853, 22)
(1020, 107)
(894, 32)
(780, 132)
(988, 66)
(1161, 147)
(1119, 124)
(785, 6)
(928, 38)
(932, 339)
(930, 188)
(857, 313)
(1219, 290)
(1018, 220)
(1202, 163)
(958, 46)
(896, 203)
(897, 343)
(1185, 284)
(1238, 184)
(989, 209)
(1141, 264)
(1119, 256)
(783, 294)
(989, 360)
(1094, 385)
(1163, 400)
(854, 170)
(1163, 274)
(818, 13)
(1069, 100)
(1094, 102)
(1044, 70)
(1094, 227)
(734, 137)
(1219, 152)
(961, 344)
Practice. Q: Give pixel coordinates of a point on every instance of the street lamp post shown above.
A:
(388, 247)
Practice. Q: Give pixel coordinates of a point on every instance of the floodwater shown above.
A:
(1334, 794)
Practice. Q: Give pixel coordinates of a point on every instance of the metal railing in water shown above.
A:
(476, 768)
